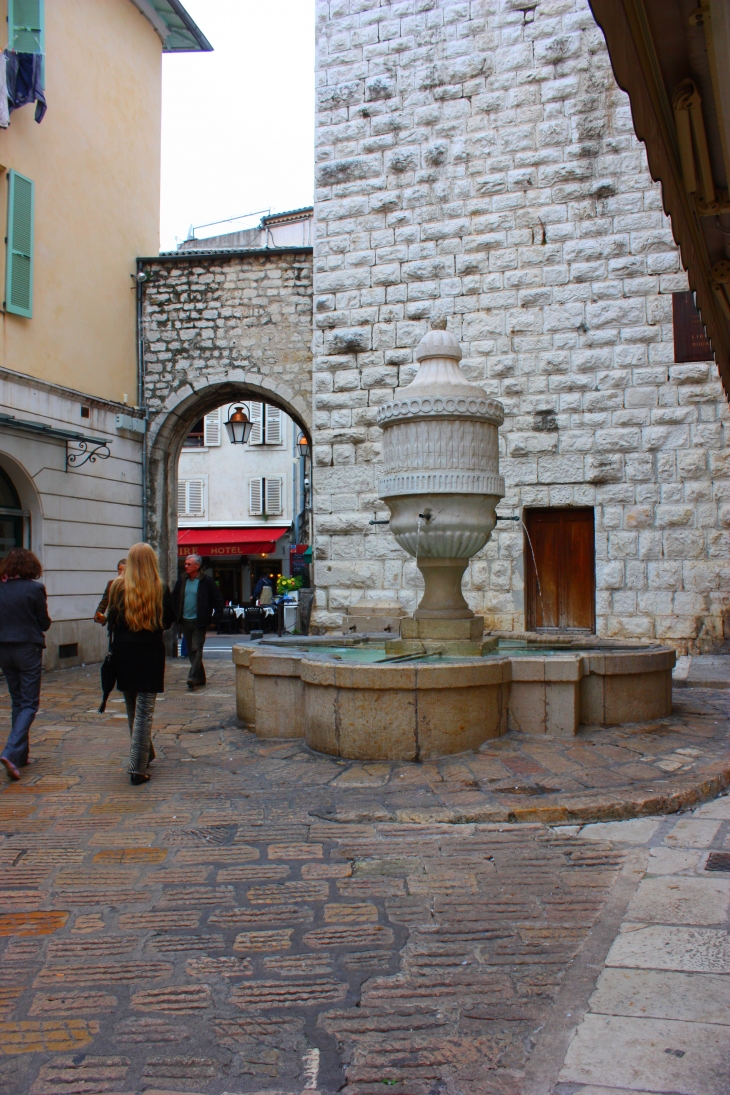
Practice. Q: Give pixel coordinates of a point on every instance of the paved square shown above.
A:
(212, 931)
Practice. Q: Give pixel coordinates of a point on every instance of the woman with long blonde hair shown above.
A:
(140, 610)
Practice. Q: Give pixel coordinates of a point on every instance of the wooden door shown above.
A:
(560, 547)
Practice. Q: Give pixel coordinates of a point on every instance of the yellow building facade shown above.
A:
(80, 195)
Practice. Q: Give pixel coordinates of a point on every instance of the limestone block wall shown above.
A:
(476, 162)
(205, 315)
(218, 327)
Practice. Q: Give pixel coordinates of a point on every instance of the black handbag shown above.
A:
(108, 675)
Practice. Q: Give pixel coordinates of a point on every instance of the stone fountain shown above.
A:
(442, 687)
(442, 486)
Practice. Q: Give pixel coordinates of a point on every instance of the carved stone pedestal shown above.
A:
(459, 638)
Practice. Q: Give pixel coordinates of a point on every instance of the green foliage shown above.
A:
(287, 585)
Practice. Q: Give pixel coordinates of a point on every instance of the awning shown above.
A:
(671, 58)
(228, 541)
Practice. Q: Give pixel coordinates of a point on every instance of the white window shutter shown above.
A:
(196, 507)
(273, 496)
(182, 508)
(274, 426)
(255, 500)
(212, 428)
(257, 420)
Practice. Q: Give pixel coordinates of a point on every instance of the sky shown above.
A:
(238, 123)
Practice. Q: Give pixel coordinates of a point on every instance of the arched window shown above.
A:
(14, 520)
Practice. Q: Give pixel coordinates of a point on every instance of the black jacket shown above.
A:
(23, 611)
(139, 656)
(210, 599)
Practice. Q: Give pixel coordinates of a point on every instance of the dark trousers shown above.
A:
(21, 664)
(195, 641)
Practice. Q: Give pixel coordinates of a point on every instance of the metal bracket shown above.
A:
(507, 518)
(88, 453)
(376, 522)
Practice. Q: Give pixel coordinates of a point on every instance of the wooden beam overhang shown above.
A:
(671, 57)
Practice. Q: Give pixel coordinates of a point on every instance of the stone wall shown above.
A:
(477, 162)
(218, 327)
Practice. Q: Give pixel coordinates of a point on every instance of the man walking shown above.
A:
(195, 597)
(100, 614)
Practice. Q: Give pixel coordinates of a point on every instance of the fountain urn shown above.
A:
(441, 482)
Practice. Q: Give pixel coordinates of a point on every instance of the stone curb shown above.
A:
(618, 805)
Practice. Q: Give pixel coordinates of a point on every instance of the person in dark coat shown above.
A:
(100, 614)
(195, 597)
(23, 621)
(140, 610)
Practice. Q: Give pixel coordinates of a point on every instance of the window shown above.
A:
(273, 496)
(195, 439)
(19, 252)
(690, 340)
(268, 424)
(14, 523)
(265, 497)
(212, 428)
(255, 497)
(191, 498)
(26, 30)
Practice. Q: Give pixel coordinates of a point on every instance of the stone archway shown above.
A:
(167, 432)
(216, 327)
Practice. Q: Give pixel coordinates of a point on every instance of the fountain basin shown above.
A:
(345, 700)
(403, 712)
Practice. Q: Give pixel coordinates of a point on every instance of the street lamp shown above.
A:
(238, 426)
(303, 445)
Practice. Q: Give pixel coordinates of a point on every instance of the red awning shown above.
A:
(228, 541)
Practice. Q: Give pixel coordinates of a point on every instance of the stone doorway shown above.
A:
(561, 596)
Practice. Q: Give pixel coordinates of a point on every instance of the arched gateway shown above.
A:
(218, 327)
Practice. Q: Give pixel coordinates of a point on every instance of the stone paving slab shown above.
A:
(659, 1017)
(223, 930)
(702, 671)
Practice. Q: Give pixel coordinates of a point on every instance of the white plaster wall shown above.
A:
(476, 161)
(227, 470)
(82, 519)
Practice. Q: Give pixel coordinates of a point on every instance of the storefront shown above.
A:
(236, 557)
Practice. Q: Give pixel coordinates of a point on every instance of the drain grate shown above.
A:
(718, 861)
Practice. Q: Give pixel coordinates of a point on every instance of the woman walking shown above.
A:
(140, 609)
(23, 620)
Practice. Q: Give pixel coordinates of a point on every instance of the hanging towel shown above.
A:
(23, 79)
(4, 112)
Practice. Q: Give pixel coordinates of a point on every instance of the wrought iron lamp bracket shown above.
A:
(88, 452)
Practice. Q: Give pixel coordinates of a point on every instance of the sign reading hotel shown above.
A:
(218, 549)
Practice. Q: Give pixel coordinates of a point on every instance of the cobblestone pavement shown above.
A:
(225, 928)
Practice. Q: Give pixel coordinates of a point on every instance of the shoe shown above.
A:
(191, 686)
(10, 768)
(138, 777)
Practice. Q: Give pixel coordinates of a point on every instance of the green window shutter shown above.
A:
(19, 264)
(26, 29)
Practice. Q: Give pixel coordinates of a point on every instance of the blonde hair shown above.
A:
(138, 592)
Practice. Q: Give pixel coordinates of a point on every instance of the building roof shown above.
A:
(179, 33)
(672, 61)
(166, 256)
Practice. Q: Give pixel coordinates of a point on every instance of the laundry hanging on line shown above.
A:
(4, 111)
(23, 79)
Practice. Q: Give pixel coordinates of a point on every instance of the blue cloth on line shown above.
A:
(24, 72)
